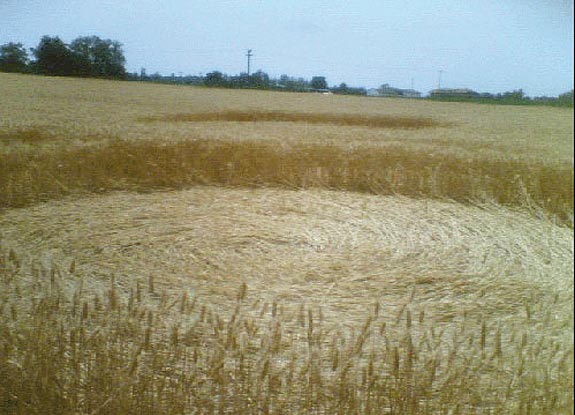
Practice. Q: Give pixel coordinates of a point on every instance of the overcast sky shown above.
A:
(486, 45)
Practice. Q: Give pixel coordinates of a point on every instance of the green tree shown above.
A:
(341, 89)
(103, 58)
(260, 80)
(13, 58)
(566, 99)
(515, 95)
(243, 80)
(53, 57)
(318, 82)
(215, 78)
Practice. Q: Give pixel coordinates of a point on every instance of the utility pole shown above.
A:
(249, 55)
(439, 81)
(411, 83)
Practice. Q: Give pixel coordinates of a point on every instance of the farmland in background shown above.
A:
(169, 249)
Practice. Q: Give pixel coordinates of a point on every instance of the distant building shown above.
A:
(454, 93)
(411, 93)
(388, 91)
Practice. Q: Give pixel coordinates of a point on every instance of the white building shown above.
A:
(388, 91)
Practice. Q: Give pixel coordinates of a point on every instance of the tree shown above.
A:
(53, 57)
(566, 99)
(318, 82)
(286, 82)
(515, 95)
(105, 58)
(214, 78)
(243, 80)
(341, 89)
(260, 80)
(155, 77)
(13, 58)
(86, 56)
(344, 89)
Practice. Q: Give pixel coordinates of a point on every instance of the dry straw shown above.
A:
(29, 178)
(243, 298)
(307, 118)
(119, 362)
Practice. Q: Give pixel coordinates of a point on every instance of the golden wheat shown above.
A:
(28, 178)
(123, 361)
(395, 122)
(73, 112)
(283, 253)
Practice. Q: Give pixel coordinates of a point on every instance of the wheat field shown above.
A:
(183, 250)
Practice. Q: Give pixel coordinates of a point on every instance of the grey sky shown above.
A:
(486, 45)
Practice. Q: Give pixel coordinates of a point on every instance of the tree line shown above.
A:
(256, 80)
(90, 56)
(515, 97)
(87, 56)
